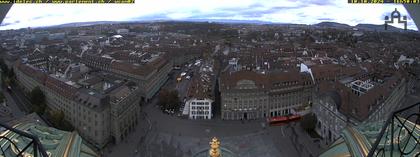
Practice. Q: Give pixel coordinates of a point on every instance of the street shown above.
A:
(15, 111)
(165, 135)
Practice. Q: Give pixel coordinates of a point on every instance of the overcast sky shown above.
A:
(277, 11)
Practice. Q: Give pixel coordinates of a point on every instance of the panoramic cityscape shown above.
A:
(200, 86)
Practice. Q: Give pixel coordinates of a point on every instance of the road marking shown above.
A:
(282, 131)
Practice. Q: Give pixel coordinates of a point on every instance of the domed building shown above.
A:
(215, 150)
(55, 142)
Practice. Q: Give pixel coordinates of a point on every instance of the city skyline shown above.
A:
(167, 88)
(290, 11)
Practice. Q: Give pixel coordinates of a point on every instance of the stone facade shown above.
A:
(99, 116)
(125, 110)
(330, 122)
(248, 95)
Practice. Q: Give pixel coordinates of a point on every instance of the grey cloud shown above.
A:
(314, 2)
(38, 17)
(318, 2)
(5, 24)
(325, 19)
(151, 17)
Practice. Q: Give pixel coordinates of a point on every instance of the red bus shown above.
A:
(280, 120)
(294, 118)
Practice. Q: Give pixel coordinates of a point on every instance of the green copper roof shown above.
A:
(357, 141)
(56, 142)
(338, 148)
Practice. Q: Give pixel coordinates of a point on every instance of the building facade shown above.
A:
(125, 110)
(249, 95)
(150, 76)
(330, 121)
(357, 102)
(101, 109)
(200, 108)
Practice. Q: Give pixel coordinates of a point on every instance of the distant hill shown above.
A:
(222, 21)
(79, 24)
(332, 25)
(366, 27)
(226, 21)
(372, 27)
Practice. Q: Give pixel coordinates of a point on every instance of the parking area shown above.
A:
(181, 80)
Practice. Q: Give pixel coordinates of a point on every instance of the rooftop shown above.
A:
(55, 142)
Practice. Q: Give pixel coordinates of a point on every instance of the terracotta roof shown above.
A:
(229, 80)
(200, 89)
(120, 55)
(140, 70)
(60, 87)
(103, 60)
(267, 81)
(35, 73)
(332, 71)
(361, 104)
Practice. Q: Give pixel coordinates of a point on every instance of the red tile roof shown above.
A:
(140, 70)
(35, 73)
(60, 87)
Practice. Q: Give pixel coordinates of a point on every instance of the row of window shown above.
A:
(200, 103)
(200, 112)
(200, 107)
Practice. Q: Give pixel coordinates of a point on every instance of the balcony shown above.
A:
(30, 146)
(396, 136)
(400, 134)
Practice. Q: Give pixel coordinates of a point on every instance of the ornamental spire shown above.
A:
(214, 148)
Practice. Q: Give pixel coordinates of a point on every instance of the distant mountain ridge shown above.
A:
(332, 25)
(366, 27)
(79, 24)
(372, 27)
(223, 21)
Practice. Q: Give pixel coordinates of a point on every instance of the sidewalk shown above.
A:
(304, 143)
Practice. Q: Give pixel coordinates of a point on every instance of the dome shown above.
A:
(215, 150)
(224, 153)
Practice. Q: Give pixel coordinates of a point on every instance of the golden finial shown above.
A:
(214, 148)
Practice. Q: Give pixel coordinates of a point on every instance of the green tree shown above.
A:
(37, 99)
(56, 117)
(163, 95)
(11, 73)
(6, 81)
(308, 122)
(1, 97)
(3, 67)
(57, 120)
(169, 99)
